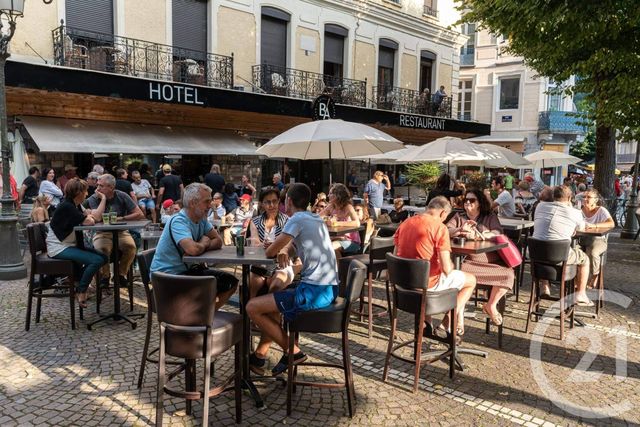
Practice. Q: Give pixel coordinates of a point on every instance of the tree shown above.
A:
(587, 148)
(423, 175)
(595, 40)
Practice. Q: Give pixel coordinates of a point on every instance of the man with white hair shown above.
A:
(99, 169)
(277, 181)
(188, 232)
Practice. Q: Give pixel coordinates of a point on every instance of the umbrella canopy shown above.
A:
(592, 168)
(448, 149)
(329, 139)
(551, 159)
(390, 158)
(505, 158)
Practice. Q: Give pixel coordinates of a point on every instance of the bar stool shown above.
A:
(549, 262)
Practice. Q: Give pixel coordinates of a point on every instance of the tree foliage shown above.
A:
(596, 40)
(423, 174)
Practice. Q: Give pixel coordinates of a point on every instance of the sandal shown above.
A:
(496, 318)
(82, 299)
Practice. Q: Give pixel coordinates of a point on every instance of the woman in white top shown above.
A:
(48, 187)
(595, 216)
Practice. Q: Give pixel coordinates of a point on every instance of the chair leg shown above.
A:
(27, 323)
(130, 286)
(238, 380)
(370, 302)
(145, 349)
(205, 391)
(562, 307)
(38, 308)
(161, 379)
(190, 384)
(452, 344)
(98, 291)
(418, 357)
(534, 287)
(501, 306)
(72, 305)
(348, 374)
(387, 358)
(290, 373)
(360, 310)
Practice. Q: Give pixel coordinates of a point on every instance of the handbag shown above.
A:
(510, 255)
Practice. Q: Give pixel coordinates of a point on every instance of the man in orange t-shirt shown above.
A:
(425, 236)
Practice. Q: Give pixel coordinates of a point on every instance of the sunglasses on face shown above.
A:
(470, 200)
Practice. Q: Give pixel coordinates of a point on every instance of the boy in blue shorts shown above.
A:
(318, 286)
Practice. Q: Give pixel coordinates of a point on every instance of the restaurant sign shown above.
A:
(324, 108)
(421, 122)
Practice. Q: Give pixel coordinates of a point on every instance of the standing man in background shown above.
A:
(214, 179)
(373, 192)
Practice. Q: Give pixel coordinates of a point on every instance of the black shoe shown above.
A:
(283, 364)
(256, 364)
(123, 281)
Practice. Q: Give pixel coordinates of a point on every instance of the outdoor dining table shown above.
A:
(253, 255)
(521, 226)
(411, 209)
(458, 251)
(342, 229)
(114, 229)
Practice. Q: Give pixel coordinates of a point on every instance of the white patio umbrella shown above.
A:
(506, 158)
(390, 158)
(20, 164)
(551, 159)
(329, 139)
(448, 149)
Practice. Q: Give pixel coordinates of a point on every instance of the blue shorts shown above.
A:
(304, 297)
(147, 203)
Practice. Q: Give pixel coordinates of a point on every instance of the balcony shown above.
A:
(74, 47)
(308, 85)
(563, 122)
(410, 101)
(467, 59)
(430, 11)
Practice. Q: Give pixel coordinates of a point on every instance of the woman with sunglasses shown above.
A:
(479, 223)
(263, 231)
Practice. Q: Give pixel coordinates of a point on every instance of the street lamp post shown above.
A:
(11, 265)
(631, 224)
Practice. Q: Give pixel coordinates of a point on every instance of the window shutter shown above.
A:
(333, 48)
(386, 57)
(90, 15)
(189, 22)
(273, 42)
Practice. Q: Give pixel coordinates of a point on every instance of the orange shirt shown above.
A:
(423, 237)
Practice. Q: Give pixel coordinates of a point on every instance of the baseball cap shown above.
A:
(166, 168)
(167, 203)
(245, 197)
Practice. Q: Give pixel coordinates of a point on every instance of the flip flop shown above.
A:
(496, 318)
(587, 303)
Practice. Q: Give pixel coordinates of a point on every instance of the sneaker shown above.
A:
(283, 364)
(256, 364)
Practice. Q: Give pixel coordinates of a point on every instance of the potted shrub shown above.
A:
(423, 175)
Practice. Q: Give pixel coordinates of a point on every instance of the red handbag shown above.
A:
(510, 254)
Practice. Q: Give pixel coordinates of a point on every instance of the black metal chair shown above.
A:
(376, 262)
(332, 319)
(409, 279)
(42, 275)
(549, 262)
(599, 284)
(191, 329)
(486, 291)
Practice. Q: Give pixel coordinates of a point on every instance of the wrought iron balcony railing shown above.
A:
(410, 101)
(308, 85)
(560, 122)
(430, 11)
(74, 47)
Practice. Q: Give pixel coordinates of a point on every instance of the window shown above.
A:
(554, 99)
(426, 69)
(189, 24)
(386, 63)
(273, 37)
(468, 50)
(90, 15)
(464, 99)
(431, 8)
(334, 37)
(509, 93)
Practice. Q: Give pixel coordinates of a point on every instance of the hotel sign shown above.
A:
(421, 122)
(180, 94)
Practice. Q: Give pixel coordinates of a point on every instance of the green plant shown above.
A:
(424, 175)
(477, 180)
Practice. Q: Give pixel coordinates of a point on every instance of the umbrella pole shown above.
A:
(330, 167)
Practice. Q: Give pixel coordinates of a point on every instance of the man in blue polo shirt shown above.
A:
(318, 286)
(374, 192)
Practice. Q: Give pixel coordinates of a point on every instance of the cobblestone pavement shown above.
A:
(52, 375)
